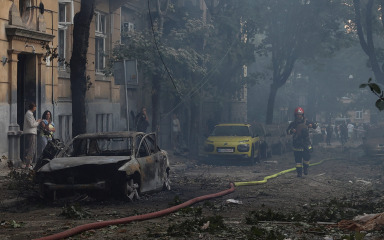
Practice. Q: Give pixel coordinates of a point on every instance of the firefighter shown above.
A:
(301, 143)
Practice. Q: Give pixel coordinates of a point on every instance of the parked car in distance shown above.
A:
(278, 139)
(233, 140)
(373, 141)
(124, 164)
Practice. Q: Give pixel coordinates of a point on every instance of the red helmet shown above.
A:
(299, 110)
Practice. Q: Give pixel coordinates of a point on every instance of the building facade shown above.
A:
(29, 28)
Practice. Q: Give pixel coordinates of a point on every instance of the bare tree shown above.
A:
(297, 30)
(365, 30)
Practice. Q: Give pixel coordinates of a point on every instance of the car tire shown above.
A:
(131, 188)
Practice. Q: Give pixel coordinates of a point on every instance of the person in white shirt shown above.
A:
(176, 130)
(30, 133)
(350, 128)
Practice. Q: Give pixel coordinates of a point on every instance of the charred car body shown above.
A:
(118, 163)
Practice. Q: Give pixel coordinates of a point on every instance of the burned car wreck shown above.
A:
(123, 164)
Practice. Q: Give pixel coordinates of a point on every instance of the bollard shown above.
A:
(14, 134)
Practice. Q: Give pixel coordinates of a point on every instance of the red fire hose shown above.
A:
(96, 225)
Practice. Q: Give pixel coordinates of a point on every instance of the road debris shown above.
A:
(234, 201)
(366, 222)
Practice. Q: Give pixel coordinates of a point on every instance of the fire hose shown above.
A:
(96, 225)
(277, 174)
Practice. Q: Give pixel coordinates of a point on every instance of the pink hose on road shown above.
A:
(89, 226)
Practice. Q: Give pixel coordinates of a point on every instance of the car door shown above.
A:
(159, 158)
(149, 163)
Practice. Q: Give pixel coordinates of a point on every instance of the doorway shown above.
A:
(26, 89)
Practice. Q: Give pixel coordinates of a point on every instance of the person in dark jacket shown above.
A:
(142, 121)
(301, 143)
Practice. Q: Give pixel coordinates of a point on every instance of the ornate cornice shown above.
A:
(23, 34)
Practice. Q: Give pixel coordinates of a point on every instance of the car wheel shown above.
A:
(167, 182)
(131, 189)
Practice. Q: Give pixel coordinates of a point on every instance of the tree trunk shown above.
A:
(271, 103)
(367, 43)
(155, 102)
(156, 90)
(82, 22)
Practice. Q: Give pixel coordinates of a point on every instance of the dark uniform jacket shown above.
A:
(141, 122)
(300, 131)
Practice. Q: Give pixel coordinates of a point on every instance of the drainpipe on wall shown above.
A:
(53, 100)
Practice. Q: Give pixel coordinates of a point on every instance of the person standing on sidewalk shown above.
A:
(176, 131)
(351, 129)
(142, 121)
(45, 132)
(301, 142)
(30, 133)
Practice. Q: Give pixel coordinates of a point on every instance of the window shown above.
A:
(151, 143)
(100, 23)
(128, 27)
(24, 8)
(99, 54)
(65, 128)
(100, 35)
(61, 47)
(64, 19)
(142, 151)
(62, 12)
(359, 115)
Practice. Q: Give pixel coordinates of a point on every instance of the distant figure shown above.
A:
(351, 129)
(343, 133)
(337, 132)
(30, 132)
(323, 132)
(176, 131)
(45, 131)
(142, 121)
(329, 134)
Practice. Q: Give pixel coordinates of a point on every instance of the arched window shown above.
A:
(25, 9)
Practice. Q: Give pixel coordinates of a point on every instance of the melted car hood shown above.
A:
(68, 162)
